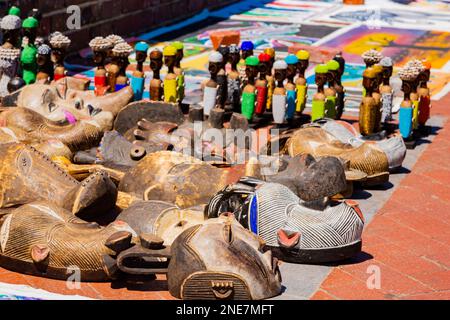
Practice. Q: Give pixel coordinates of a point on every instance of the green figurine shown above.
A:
(29, 52)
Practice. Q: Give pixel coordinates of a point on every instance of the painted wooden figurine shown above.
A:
(424, 96)
(319, 99)
(291, 93)
(270, 78)
(330, 92)
(261, 84)
(368, 106)
(179, 71)
(59, 44)
(387, 94)
(138, 77)
(371, 57)
(418, 68)
(234, 81)
(29, 51)
(156, 86)
(340, 90)
(376, 94)
(246, 51)
(9, 54)
(120, 53)
(210, 87)
(170, 81)
(45, 64)
(279, 103)
(100, 47)
(405, 122)
(249, 90)
(222, 79)
(300, 82)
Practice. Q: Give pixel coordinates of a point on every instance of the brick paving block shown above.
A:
(322, 295)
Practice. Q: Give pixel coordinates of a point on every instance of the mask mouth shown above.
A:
(70, 117)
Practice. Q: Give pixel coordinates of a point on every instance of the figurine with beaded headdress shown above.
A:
(386, 91)
(377, 95)
(178, 70)
(330, 92)
(370, 58)
(368, 107)
(138, 77)
(279, 103)
(170, 81)
(9, 53)
(261, 83)
(121, 52)
(291, 93)
(424, 95)
(59, 44)
(156, 85)
(29, 51)
(100, 47)
(210, 86)
(300, 83)
(414, 96)
(340, 90)
(318, 110)
(233, 79)
(45, 64)
(408, 76)
(270, 78)
(249, 90)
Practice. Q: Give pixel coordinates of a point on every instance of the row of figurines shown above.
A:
(256, 84)
(376, 105)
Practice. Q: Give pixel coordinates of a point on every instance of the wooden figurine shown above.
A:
(59, 44)
(371, 57)
(249, 91)
(377, 95)
(138, 77)
(100, 47)
(340, 90)
(368, 107)
(121, 52)
(210, 87)
(279, 102)
(170, 81)
(319, 99)
(270, 78)
(29, 51)
(418, 68)
(387, 94)
(156, 87)
(179, 71)
(222, 79)
(424, 96)
(261, 84)
(300, 82)
(246, 51)
(330, 92)
(405, 123)
(291, 93)
(9, 54)
(234, 82)
(45, 64)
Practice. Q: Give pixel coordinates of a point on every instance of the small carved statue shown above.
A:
(9, 54)
(222, 79)
(45, 64)
(370, 58)
(270, 78)
(100, 48)
(170, 81)
(29, 51)
(377, 95)
(406, 114)
(387, 94)
(179, 71)
(291, 94)
(249, 91)
(414, 96)
(156, 85)
(120, 53)
(340, 90)
(300, 82)
(59, 44)
(424, 95)
(279, 103)
(246, 51)
(330, 92)
(318, 110)
(261, 83)
(234, 81)
(138, 77)
(368, 108)
(210, 86)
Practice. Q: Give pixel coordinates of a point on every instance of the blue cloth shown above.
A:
(137, 84)
(291, 59)
(247, 45)
(405, 122)
(291, 96)
(141, 46)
